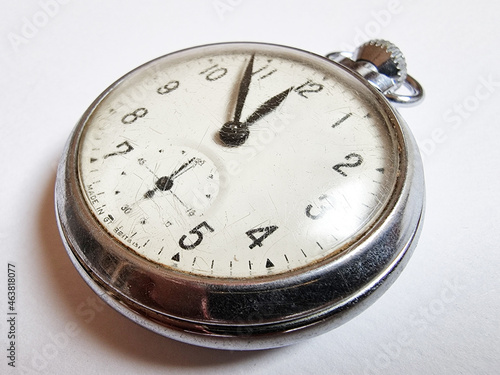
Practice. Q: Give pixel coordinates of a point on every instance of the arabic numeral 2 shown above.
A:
(355, 161)
(307, 88)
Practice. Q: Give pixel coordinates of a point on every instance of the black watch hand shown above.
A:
(233, 133)
(177, 173)
(243, 91)
(269, 106)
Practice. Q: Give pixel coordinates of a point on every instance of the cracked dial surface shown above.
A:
(313, 175)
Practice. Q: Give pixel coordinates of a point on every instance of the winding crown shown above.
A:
(386, 57)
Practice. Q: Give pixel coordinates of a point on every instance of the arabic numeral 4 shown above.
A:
(265, 232)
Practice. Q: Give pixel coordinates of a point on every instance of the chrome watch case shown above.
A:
(265, 312)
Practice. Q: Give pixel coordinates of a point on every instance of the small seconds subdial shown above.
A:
(150, 190)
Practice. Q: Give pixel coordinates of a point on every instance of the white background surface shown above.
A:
(440, 317)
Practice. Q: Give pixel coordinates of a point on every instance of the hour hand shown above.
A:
(269, 106)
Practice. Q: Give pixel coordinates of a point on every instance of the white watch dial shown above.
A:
(313, 175)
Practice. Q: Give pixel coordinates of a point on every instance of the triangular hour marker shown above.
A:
(381, 170)
(269, 264)
(93, 160)
(176, 257)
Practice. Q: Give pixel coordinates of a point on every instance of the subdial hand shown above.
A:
(165, 183)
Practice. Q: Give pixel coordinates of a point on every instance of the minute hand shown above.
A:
(269, 106)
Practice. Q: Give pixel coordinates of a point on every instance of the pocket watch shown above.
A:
(245, 195)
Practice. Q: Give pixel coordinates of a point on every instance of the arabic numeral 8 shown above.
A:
(133, 116)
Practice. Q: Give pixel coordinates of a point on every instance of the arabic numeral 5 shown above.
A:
(198, 235)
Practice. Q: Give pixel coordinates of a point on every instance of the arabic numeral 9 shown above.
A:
(169, 87)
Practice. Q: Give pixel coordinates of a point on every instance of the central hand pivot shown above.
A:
(234, 133)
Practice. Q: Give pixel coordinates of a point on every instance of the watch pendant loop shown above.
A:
(417, 92)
